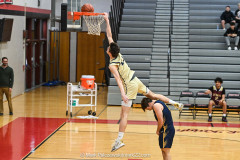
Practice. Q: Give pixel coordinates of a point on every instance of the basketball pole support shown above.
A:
(56, 43)
(53, 10)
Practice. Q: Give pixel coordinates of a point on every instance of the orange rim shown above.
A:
(77, 15)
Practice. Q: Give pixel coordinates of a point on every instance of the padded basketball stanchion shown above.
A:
(64, 17)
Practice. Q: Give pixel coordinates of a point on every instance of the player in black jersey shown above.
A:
(165, 129)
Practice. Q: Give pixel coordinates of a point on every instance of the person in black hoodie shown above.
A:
(232, 32)
(237, 14)
(227, 17)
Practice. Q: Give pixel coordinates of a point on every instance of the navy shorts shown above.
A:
(166, 138)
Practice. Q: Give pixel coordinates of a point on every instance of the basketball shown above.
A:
(87, 8)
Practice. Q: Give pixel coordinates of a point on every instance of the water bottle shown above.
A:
(217, 26)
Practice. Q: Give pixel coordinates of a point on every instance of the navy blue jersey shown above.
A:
(167, 131)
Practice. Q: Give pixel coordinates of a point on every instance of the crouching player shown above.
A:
(165, 128)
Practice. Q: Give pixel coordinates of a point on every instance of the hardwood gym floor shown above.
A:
(39, 129)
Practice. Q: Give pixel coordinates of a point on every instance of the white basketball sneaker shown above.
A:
(229, 48)
(179, 106)
(235, 48)
(117, 144)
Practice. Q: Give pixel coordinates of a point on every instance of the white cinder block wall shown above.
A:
(15, 49)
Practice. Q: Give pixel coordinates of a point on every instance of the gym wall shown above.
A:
(15, 49)
(44, 4)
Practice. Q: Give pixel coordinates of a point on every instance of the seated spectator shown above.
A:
(218, 98)
(232, 33)
(237, 14)
(227, 17)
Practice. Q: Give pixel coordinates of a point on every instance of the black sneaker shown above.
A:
(1, 114)
(10, 113)
(224, 119)
(210, 119)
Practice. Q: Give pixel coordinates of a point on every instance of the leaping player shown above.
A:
(128, 84)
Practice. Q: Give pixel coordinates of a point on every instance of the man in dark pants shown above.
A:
(227, 17)
(6, 84)
(232, 33)
(218, 98)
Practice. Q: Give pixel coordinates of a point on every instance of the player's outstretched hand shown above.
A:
(105, 16)
(125, 98)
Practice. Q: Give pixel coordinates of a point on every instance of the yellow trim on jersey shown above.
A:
(164, 133)
(215, 88)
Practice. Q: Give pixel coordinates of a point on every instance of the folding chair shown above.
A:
(201, 102)
(233, 102)
(187, 98)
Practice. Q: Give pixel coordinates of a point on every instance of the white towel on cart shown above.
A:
(87, 117)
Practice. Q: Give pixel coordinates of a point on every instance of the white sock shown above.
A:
(172, 102)
(224, 115)
(210, 114)
(120, 135)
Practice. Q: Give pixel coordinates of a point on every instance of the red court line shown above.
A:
(22, 135)
(193, 124)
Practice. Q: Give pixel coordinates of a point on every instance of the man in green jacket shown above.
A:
(6, 84)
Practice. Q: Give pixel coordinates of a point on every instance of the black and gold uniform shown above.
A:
(217, 94)
(167, 131)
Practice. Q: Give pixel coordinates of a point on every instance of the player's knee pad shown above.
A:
(128, 104)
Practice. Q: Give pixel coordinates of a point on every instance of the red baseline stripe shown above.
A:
(22, 8)
(22, 135)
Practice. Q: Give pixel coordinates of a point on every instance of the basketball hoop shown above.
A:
(94, 24)
(93, 20)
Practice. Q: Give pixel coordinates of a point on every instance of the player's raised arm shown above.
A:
(108, 28)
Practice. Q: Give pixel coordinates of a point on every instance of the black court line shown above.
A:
(119, 121)
(77, 112)
(155, 133)
(102, 111)
(43, 141)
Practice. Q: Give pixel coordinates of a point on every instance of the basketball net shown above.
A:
(94, 24)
